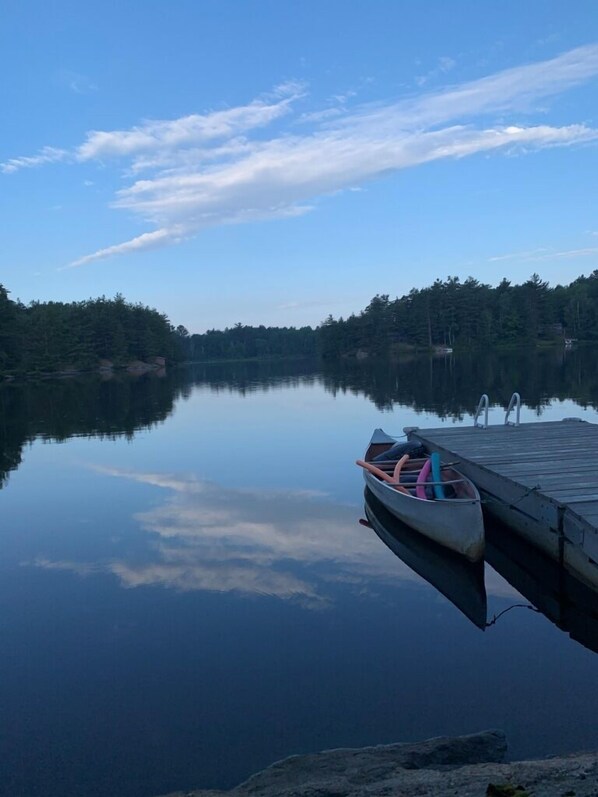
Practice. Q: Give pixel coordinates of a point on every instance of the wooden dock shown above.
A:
(540, 478)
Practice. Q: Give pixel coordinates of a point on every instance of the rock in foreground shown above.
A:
(467, 766)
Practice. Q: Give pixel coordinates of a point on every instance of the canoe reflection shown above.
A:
(458, 579)
(567, 601)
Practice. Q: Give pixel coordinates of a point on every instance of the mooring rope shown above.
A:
(508, 609)
(490, 499)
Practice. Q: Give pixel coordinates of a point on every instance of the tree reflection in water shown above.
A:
(448, 386)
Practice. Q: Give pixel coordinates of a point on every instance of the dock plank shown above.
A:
(542, 477)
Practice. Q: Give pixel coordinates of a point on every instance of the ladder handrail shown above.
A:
(515, 402)
(483, 404)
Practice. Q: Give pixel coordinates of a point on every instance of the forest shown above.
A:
(466, 315)
(50, 337)
(47, 337)
(242, 342)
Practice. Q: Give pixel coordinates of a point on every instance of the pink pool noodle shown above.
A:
(420, 487)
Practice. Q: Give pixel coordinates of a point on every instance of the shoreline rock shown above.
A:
(466, 766)
(106, 369)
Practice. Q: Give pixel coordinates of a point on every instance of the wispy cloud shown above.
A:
(75, 82)
(444, 65)
(545, 253)
(45, 155)
(193, 130)
(148, 240)
(303, 304)
(524, 255)
(588, 251)
(255, 162)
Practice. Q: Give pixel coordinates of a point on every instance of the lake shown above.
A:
(187, 594)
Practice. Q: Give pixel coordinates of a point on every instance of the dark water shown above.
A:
(186, 593)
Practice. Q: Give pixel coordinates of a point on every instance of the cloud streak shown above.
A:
(195, 129)
(544, 253)
(272, 158)
(148, 240)
(45, 155)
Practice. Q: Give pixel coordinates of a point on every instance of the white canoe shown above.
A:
(454, 521)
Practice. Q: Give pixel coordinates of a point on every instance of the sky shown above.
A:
(276, 161)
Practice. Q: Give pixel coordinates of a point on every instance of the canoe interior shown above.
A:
(462, 488)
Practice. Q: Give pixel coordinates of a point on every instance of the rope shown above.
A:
(525, 494)
(508, 609)
(492, 500)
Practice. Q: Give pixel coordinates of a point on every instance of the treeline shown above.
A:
(46, 337)
(49, 337)
(245, 342)
(466, 314)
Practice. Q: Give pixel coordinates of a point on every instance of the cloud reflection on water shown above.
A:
(291, 544)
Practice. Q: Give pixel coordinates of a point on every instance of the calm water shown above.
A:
(186, 593)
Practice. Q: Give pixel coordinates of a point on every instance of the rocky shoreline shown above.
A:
(106, 368)
(461, 766)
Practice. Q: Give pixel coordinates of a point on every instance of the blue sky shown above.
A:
(273, 162)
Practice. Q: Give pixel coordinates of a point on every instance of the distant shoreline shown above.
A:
(139, 368)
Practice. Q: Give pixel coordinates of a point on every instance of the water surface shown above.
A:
(186, 593)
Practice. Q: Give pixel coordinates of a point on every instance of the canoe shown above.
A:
(454, 576)
(448, 510)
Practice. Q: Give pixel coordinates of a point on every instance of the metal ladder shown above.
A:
(514, 403)
(483, 407)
